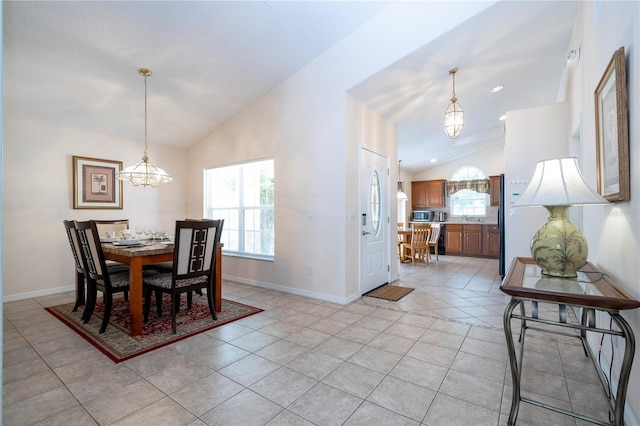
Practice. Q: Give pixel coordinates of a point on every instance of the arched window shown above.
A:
(467, 202)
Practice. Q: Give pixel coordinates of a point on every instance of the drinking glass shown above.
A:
(161, 233)
(147, 232)
(139, 231)
(154, 233)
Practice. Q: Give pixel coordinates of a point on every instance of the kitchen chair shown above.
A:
(433, 240)
(194, 264)
(419, 243)
(400, 240)
(97, 273)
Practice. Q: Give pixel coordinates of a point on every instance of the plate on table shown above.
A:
(128, 243)
(166, 243)
(109, 239)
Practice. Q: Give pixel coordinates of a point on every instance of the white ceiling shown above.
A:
(75, 64)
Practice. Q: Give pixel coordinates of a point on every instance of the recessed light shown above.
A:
(434, 160)
(497, 89)
(503, 117)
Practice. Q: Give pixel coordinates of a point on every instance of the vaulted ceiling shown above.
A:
(76, 64)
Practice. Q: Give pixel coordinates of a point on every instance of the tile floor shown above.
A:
(436, 357)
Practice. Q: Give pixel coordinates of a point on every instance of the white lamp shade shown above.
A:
(558, 182)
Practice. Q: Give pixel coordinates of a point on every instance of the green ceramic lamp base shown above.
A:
(558, 247)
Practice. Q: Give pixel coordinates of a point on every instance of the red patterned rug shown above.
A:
(119, 345)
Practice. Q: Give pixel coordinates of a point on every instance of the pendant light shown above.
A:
(401, 194)
(145, 173)
(454, 117)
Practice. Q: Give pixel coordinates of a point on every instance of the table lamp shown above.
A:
(558, 247)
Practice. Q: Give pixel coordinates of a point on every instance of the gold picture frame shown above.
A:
(612, 131)
(95, 183)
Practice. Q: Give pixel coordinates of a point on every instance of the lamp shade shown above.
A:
(558, 182)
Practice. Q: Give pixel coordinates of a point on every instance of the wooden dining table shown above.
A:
(138, 256)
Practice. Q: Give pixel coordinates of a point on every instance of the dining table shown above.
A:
(148, 254)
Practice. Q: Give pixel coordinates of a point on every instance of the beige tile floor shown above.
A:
(436, 357)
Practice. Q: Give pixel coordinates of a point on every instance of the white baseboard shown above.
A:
(296, 291)
(39, 293)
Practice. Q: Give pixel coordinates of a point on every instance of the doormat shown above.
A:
(389, 292)
(119, 345)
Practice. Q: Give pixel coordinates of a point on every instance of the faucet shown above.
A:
(466, 217)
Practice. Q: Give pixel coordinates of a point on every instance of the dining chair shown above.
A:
(97, 273)
(72, 236)
(115, 225)
(400, 240)
(419, 243)
(433, 240)
(194, 264)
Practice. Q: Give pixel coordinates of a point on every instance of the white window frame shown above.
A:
(481, 201)
(238, 236)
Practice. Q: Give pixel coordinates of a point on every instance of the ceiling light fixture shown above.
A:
(454, 116)
(497, 89)
(145, 173)
(402, 196)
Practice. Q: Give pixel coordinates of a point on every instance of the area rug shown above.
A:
(389, 292)
(119, 345)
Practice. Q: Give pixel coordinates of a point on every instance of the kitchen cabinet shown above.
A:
(427, 193)
(476, 240)
(494, 190)
(493, 241)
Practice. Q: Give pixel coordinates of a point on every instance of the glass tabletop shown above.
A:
(582, 284)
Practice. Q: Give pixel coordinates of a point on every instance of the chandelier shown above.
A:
(145, 173)
(454, 117)
(401, 194)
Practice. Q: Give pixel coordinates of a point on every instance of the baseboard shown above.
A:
(296, 291)
(39, 293)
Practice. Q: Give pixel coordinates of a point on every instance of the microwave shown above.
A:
(422, 216)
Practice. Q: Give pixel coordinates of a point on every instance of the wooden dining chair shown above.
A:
(97, 273)
(418, 245)
(433, 240)
(194, 264)
(72, 236)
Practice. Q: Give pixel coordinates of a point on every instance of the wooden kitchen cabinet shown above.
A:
(427, 193)
(494, 190)
(453, 239)
(477, 240)
(472, 240)
(493, 241)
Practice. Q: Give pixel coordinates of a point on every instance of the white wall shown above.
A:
(301, 124)
(533, 134)
(490, 161)
(613, 231)
(38, 196)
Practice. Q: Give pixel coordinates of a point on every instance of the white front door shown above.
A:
(374, 220)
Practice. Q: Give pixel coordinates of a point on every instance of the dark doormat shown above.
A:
(389, 292)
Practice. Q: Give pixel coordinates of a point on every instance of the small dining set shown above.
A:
(415, 243)
(189, 264)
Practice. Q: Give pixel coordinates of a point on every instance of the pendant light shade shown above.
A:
(454, 116)
(402, 196)
(145, 173)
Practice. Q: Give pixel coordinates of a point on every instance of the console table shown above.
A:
(591, 291)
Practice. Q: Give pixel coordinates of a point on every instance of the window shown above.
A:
(466, 201)
(243, 195)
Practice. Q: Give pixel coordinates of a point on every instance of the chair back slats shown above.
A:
(89, 240)
(420, 235)
(72, 236)
(435, 233)
(194, 254)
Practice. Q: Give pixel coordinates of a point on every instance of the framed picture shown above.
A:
(612, 131)
(95, 185)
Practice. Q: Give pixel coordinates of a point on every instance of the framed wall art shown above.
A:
(95, 185)
(612, 131)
